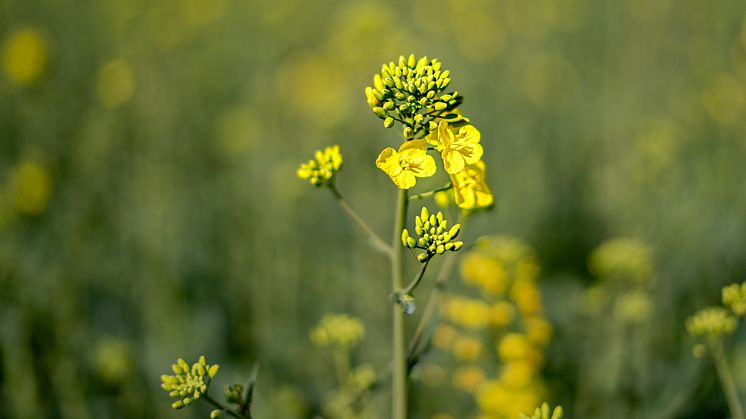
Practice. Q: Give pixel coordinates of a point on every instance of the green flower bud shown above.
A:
(412, 61)
(388, 82)
(380, 112)
(432, 126)
(418, 118)
(418, 230)
(423, 101)
(404, 236)
(439, 106)
(453, 232)
(449, 246)
(457, 246)
(215, 414)
(377, 82)
(440, 249)
(422, 257)
(388, 122)
(408, 133)
(411, 242)
(431, 94)
(445, 74)
(445, 98)
(433, 220)
(424, 213)
(177, 404)
(389, 105)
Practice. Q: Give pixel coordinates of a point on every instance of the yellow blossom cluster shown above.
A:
(410, 93)
(734, 296)
(711, 323)
(509, 310)
(339, 330)
(322, 168)
(188, 383)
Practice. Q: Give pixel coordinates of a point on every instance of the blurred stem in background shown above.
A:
(726, 379)
(399, 371)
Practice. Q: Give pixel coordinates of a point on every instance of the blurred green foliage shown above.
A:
(149, 207)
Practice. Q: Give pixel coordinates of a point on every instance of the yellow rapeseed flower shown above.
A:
(322, 169)
(338, 329)
(444, 336)
(409, 162)
(468, 378)
(501, 314)
(470, 188)
(467, 348)
(30, 187)
(514, 346)
(458, 150)
(24, 56)
(518, 373)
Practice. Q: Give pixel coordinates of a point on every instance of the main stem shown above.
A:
(398, 345)
(726, 379)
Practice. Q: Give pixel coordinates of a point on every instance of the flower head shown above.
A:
(711, 323)
(734, 296)
(435, 238)
(470, 188)
(544, 413)
(405, 165)
(188, 383)
(321, 170)
(338, 329)
(411, 90)
(458, 149)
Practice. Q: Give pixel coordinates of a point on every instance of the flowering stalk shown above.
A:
(398, 348)
(726, 379)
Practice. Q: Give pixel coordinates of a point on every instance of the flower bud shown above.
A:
(388, 122)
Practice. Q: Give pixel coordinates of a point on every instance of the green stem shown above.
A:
(223, 408)
(378, 243)
(416, 280)
(428, 316)
(431, 193)
(726, 379)
(399, 370)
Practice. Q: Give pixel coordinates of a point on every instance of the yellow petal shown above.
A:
(452, 161)
(469, 134)
(404, 180)
(413, 146)
(388, 160)
(472, 153)
(425, 167)
(445, 136)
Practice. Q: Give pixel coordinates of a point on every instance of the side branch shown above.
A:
(378, 243)
(431, 193)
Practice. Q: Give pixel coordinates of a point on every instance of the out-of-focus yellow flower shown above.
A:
(518, 373)
(527, 297)
(443, 198)
(433, 375)
(322, 169)
(480, 270)
(30, 187)
(467, 348)
(470, 187)
(633, 307)
(467, 312)
(409, 162)
(24, 55)
(458, 150)
(499, 401)
(116, 83)
(734, 296)
(539, 331)
(711, 323)
(623, 260)
(514, 346)
(527, 271)
(338, 329)
(468, 378)
(112, 360)
(501, 314)
(444, 336)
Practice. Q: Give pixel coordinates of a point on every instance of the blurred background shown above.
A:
(149, 207)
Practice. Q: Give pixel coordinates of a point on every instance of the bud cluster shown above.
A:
(321, 170)
(410, 92)
(544, 412)
(711, 323)
(734, 296)
(188, 383)
(433, 237)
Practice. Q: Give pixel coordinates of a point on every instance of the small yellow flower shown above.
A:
(409, 162)
(469, 187)
(458, 150)
(322, 169)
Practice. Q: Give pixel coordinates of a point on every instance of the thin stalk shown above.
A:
(378, 243)
(398, 346)
(726, 379)
(417, 278)
(223, 408)
(431, 193)
(428, 315)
